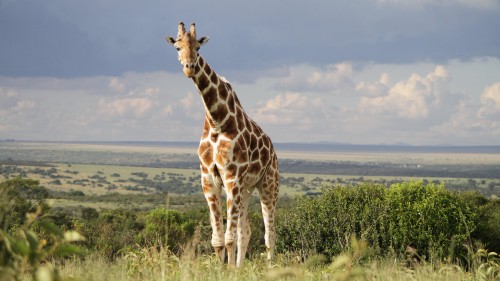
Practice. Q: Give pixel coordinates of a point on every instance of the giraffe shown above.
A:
(235, 155)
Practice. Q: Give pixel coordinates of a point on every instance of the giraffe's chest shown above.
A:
(216, 151)
(230, 159)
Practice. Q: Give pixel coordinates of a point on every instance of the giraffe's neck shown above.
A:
(221, 103)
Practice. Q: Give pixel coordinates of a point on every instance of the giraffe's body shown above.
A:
(235, 155)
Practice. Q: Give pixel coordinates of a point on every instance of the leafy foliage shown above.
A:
(110, 231)
(28, 245)
(488, 219)
(168, 227)
(17, 197)
(427, 217)
(343, 225)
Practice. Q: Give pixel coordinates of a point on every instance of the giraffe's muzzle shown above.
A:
(188, 69)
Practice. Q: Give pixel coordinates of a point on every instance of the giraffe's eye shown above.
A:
(178, 49)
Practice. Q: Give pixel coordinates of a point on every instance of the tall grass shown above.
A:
(356, 264)
(40, 248)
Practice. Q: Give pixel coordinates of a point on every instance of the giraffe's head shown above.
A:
(187, 46)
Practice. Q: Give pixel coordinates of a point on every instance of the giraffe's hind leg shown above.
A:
(269, 190)
(244, 230)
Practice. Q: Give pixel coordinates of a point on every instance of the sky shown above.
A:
(417, 72)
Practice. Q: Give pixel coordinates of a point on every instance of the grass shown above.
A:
(113, 174)
(153, 264)
(118, 156)
(359, 263)
(85, 171)
(119, 176)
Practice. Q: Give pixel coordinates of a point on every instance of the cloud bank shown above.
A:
(339, 103)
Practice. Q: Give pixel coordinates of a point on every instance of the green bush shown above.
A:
(30, 241)
(488, 219)
(326, 224)
(428, 218)
(111, 231)
(168, 227)
(17, 197)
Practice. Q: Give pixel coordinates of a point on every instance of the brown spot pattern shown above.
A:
(210, 97)
(214, 78)
(219, 113)
(230, 128)
(205, 152)
(203, 82)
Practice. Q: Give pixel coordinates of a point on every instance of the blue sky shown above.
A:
(420, 72)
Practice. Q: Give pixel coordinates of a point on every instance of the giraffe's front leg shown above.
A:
(233, 214)
(212, 192)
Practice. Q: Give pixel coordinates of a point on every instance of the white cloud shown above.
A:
(188, 101)
(7, 100)
(167, 111)
(289, 109)
(135, 107)
(150, 92)
(305, 78)
(116, 85)
(378, 88)
(457, 103)
(414, 98)
(490, 101)
(12, 104)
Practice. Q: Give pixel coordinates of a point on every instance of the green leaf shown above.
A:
(32, 239)
(19, 247)
(50, 227)
(68, 249)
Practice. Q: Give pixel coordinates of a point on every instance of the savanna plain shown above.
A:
(135, 211)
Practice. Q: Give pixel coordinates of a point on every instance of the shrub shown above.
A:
(29, 245)
(487, 220)
(168, 227)
(326, 224)
(111, 231)
(428, 218)
(17, 197)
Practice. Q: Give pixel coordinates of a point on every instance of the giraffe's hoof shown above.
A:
(219, 251)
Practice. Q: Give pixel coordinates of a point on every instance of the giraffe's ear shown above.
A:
(170, 40)
(203, 40)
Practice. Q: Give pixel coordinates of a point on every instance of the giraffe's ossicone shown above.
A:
(235, 155)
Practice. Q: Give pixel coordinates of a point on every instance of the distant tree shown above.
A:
(56, 182)
(17, 197)
(76, 193)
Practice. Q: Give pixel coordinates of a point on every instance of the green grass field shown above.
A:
(96, 180)
(152, 264)
(100, 169)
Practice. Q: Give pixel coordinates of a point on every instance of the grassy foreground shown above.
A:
(41, 245)
(153, 264)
